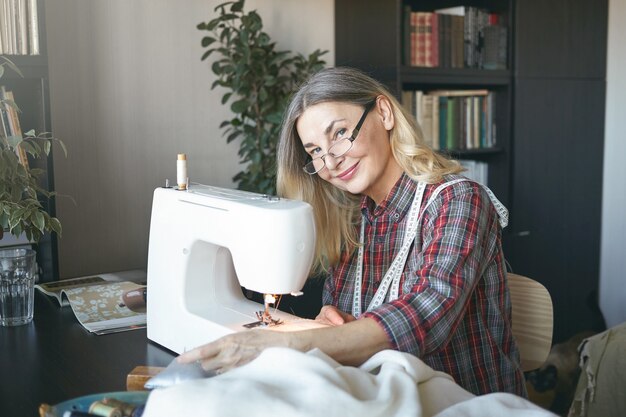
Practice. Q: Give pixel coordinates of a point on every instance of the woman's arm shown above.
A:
(350, 344)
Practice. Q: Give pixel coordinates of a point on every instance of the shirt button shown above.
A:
(396, 216)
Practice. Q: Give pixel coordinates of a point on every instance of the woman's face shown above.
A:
(368, 167)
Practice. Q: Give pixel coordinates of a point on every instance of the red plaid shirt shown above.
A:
(453, 310)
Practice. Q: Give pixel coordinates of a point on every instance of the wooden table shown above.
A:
(54, 359)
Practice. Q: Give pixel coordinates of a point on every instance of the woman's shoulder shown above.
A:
(453, 185)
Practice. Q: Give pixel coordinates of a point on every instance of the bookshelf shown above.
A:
(546, 166)
(371, 35)
(31, 94)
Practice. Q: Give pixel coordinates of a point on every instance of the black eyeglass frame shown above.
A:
(355, 132)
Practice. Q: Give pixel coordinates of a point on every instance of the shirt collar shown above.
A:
(396, 204)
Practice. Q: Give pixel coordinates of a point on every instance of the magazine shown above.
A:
(56, 289)
(97, 303)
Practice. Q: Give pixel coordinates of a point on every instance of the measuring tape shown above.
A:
(392, 277)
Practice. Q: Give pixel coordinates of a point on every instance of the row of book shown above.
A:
(456, 37)
(454, 119)
(19, 30)
(10, 122)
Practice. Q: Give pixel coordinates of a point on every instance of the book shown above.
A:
(454, 35)
(475, 170)
(494, 52)
(445, 28)
(413, 38)
(14, 123)
(420, 43)
(33, 27)
(97, 303)
(427, 119)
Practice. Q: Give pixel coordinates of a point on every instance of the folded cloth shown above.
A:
(285, 382)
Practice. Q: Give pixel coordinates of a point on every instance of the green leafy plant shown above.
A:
(20, 208)
(259, 80)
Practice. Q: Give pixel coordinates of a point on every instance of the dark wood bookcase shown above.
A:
(369, 36)
(547, 164)
(32, 96)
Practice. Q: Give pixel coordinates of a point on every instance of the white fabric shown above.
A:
(284, 382)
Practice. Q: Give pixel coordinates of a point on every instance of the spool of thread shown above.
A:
(127, 409)
(101, 409)
(181, 171)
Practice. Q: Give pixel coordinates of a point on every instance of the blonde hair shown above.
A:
(336, 211)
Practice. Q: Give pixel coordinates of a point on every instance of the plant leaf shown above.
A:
(207, 40)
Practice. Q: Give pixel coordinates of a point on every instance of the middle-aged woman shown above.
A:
(412, 249)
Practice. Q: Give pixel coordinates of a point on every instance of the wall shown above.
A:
(128, 92)
(613, 261)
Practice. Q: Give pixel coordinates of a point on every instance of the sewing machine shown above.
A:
(205, 243)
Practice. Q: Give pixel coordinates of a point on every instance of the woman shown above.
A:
(413, 250)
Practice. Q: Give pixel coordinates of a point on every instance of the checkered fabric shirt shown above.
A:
(453, 310)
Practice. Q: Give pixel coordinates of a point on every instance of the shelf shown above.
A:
(472, 153)
(455, 76)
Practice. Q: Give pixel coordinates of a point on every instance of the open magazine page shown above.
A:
(99, 308)
(56, 289)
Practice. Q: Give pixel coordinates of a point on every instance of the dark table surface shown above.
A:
(54, 359)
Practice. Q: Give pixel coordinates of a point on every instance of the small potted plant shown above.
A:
(21, 212)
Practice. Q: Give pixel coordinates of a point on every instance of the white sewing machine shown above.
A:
(207, 241)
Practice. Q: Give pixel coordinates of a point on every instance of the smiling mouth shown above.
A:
(348, 172)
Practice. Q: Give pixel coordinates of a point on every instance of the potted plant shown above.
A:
(259, 80)
(21, 212)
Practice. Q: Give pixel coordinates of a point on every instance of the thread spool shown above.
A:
(100, 409)
(181, 171)
(127, 409)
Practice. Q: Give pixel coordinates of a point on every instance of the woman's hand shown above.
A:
(351, 344)
(332, 316)
(234, 349)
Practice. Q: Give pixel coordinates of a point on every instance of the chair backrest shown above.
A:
(532, 320)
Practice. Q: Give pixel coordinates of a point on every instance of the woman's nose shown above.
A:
(332, 161)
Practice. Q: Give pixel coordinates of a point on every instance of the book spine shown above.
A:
(421, 39)
(435, 126)
(22, 32)
(418, 106)
(427, 119)
(467, 37)
(443, 40)
(476, 122)
(428, 39)
(10, 12)
(458, 23)
(16, 129)
(469, 122)
(413, 39)
(33, 27)
(434, 47)
(450, 124)
(443, 122)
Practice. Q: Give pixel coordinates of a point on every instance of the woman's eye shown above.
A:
(341, 133)
(316, 151)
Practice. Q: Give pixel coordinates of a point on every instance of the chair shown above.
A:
(532, 320)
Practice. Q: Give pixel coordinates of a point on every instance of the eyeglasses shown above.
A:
(339, 148)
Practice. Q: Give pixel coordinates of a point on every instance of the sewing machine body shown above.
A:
(204, 244)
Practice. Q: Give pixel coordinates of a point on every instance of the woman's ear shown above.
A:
(384, 109)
